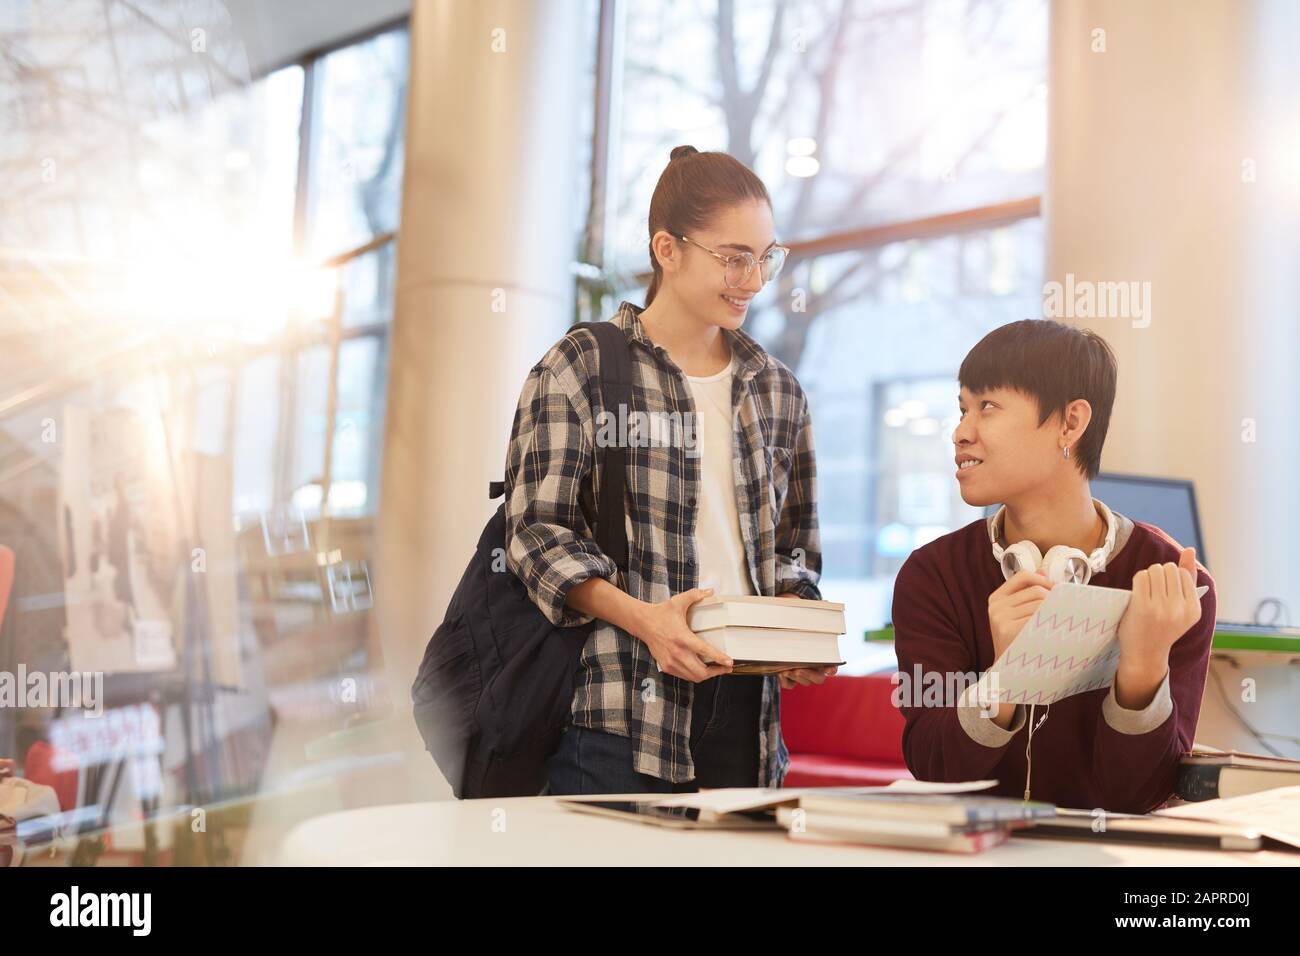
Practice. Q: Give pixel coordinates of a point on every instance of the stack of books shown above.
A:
(952, 823)
(764, 635)
(1209, 774)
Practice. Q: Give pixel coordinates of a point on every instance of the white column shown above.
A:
(484, 287)
(1174, 159)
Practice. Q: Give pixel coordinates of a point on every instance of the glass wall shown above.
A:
(196, 287)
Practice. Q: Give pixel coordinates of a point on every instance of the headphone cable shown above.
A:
(1029, 759)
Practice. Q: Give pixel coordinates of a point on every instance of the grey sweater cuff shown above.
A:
(981, 729)
(1139, 721)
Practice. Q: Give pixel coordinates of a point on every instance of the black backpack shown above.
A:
(496, 683)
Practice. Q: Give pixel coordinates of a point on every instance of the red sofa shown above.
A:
(843, 733)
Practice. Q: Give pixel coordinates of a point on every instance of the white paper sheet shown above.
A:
(1272, 812)
(1069, 646)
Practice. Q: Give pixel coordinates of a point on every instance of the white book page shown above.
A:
(1069, 646)
(1272, 812)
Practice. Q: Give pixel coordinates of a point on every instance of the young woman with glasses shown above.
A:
(720, 499)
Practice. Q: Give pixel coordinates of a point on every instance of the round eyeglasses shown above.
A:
(739, 267)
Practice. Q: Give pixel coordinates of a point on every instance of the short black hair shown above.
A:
(1055, 364)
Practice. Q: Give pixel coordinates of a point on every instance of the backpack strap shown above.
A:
(616, 392)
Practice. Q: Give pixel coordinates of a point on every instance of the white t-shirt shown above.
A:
(718, 545)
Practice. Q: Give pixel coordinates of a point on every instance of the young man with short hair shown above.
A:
(1035, 404)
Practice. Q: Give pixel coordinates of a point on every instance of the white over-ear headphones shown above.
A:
(1062, 563)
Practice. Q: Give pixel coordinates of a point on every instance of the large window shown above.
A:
(356, 150)
(880, 371)
(853, 114)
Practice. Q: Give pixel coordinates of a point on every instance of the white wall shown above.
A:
(1148, 142)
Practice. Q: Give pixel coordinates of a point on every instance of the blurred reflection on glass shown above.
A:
(179, 364)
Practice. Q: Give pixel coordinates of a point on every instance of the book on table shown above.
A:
(917, 814)
(1205, 773)
(946, 840)
(945, 822)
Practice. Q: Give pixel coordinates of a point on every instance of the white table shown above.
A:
(531, 831)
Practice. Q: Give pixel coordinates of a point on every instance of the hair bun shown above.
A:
(680, 151)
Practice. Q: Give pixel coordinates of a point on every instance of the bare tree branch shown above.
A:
(769, 57)
(826, 104)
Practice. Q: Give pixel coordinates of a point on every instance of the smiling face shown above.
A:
(694, 278)
(1001, 449)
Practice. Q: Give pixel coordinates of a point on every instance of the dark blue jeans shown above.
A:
(724, 746)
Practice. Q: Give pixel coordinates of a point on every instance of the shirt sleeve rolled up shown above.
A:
(549, 544)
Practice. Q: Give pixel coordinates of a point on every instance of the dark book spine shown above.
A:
(1197, 782)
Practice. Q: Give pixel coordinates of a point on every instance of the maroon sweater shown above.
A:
(1089, 753)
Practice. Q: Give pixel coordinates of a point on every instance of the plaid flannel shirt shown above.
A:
(550, 509)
